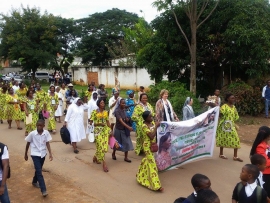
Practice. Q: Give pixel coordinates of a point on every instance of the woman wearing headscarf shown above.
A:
(31, 107)
(188, 112)
(51, 106)
(92, 104)
(13, 110)
(102, 130)
(164, 109)
(59, 111)
(130, 106)
(122, 130)
(147, 174)
(137, 117)
(75, 123)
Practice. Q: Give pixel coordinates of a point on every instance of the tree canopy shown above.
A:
(101, 29)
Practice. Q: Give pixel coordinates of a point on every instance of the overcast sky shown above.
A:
(82, 8)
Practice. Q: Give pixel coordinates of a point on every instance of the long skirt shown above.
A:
(32, 126)
(101, 140)
(124, 140)
(139, 140)
(148, 173)
(52, 122)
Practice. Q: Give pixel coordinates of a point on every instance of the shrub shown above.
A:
(248, 98)
(177, 96)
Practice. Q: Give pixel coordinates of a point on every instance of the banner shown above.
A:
(186, 141)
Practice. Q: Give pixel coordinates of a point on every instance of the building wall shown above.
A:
(129, 78)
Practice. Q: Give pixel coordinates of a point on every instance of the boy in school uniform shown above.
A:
(247, 191)
(259, 161)
(38, 140)
(198, 182)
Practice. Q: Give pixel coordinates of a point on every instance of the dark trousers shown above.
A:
(266, 185)
(4, 198)
(38, 163)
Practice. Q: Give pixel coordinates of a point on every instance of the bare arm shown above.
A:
(234, 201)
(5, 165)
(49, 149)
(26, 151)
(124, 124)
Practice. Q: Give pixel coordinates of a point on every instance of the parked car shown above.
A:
(18, 78)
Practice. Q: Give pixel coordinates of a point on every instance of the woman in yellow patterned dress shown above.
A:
(137, 117)
(102, 131)
(31, 107)
(3, 95)
(40, 95)
(51, 106)
(148, 173)
(21, 92)
(13, 110)
(88, 93)
(227, 136)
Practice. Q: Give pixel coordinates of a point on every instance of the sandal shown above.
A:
(127, 160)
(223, 156)
(95, 160)
(160, 189)
(9, 127)
(105, 169)
(113, 157)
(76, 151)
(19, 128)
(54, 131)
(237, 159)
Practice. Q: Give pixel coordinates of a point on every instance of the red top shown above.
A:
(261, 149)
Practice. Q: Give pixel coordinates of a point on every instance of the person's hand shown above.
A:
(51, 157)
(177, 119)
(157, 123)
(130, 128)
(26, 113)
(55, 108)
(26, 157)
(2, 190)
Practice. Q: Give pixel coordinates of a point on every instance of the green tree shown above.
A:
(29, 35)
(194, 10)
(100, 30)
(66, 34)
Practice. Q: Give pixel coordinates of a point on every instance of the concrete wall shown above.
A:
(129, 78)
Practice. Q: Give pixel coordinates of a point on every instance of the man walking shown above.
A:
(266, 97)
(4, 173)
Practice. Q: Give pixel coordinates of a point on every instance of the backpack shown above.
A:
(1, 153)
(258, 191)
(65, 135)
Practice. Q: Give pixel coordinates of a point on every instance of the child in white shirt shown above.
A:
(38, 140)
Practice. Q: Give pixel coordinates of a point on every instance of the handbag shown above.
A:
(90, 132)
(40, 116)
(154, 147)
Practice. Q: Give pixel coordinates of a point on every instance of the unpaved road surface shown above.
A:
(74, 178)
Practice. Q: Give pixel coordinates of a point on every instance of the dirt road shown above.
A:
(74, 178)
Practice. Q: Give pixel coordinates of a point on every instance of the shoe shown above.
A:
(127, 160)
(76, 151)
(113, 157)
(36, 185)
(44, 194)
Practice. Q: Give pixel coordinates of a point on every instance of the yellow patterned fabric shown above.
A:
(88, 94)
(51, 105)
(148, 173)
(41, 99)
(137, 117)
(13, 111)
(101, 133)
(226, 132)
(32, 107)
(2, 105)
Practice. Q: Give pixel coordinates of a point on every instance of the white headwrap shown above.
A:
(76, 100)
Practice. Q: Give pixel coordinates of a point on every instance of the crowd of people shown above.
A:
(125, 115)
